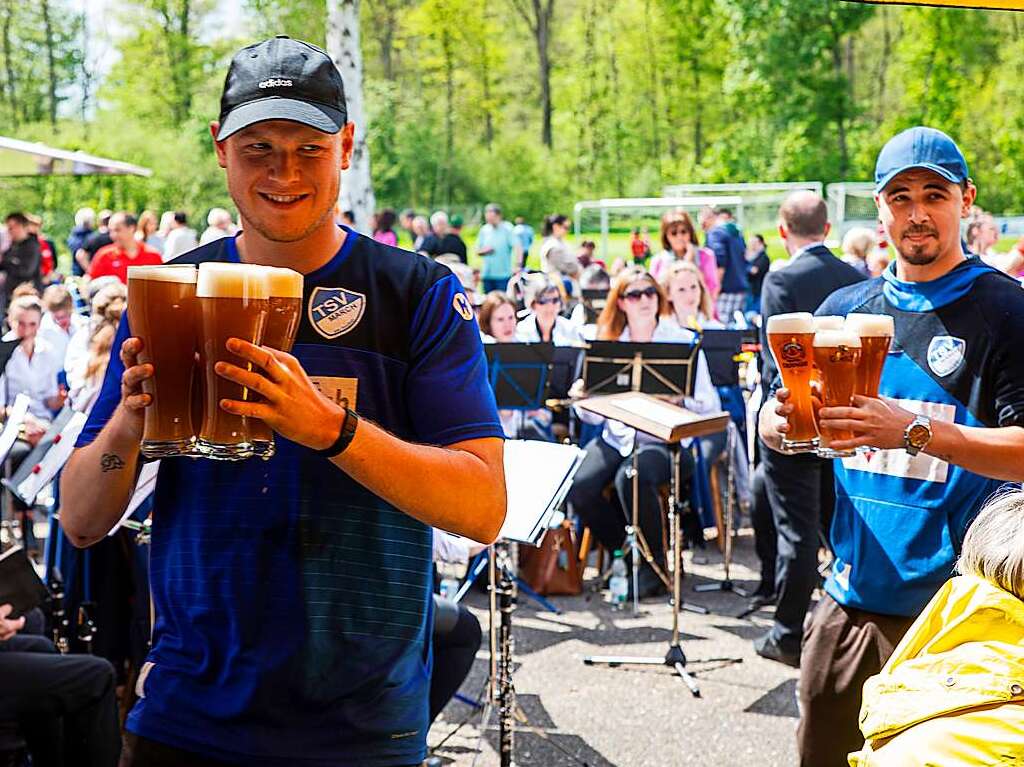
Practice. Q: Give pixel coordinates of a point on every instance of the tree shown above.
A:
(538, 14)
(343, 45)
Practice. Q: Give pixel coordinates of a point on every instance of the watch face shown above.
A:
(919, 435)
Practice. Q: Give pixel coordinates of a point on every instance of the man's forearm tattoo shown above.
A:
(111, 462)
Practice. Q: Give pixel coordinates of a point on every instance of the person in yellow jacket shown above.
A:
(953, 691)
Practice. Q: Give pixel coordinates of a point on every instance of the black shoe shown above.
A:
(767, 647)
(761, 598)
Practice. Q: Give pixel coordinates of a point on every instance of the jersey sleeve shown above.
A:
(447, 388)
(1009, 373)
(110, 391)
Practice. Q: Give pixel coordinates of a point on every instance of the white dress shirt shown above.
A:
(56, 336)
(35, 377)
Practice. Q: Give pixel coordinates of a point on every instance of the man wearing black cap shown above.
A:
(946, 434)
(292, 597)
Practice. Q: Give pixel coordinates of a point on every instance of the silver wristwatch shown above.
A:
(917, 435)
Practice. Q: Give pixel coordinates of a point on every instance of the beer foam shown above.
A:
(168, 273)
(833, 338)
(828, 322)
(871, 325)
(282, 283)
(795, 322)
(222, 280)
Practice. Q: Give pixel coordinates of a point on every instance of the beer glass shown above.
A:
(284, 290)
(828, 322)
(233, 303)
(791, 339)
(837, 357)
(162, 313)
(876, 332)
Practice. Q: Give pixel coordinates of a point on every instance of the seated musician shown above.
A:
(636, 311)
(688, 297)
(544, 300)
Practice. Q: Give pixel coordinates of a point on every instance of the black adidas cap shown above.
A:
(282, 79)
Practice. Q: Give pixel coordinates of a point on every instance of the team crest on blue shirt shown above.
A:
(335, 311)
(946, 354)
(462, 306)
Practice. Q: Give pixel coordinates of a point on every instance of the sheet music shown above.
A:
(17, 417)
(144, 487)
(537, 477)
(53, 460)
(662, 413)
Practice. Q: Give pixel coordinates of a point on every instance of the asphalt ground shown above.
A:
(571, 714)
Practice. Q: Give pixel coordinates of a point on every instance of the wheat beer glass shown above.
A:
(837, 357)
(791, 339)
(876, 332)
(284, 290)
(162, 313)
(233, 303)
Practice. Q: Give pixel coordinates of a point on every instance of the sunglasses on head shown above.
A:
(636, 295)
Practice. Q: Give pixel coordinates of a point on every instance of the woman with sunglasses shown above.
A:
(544, 323)
(679, 243)
(636, 311)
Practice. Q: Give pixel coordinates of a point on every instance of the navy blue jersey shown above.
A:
(956, 356)
(293, 606)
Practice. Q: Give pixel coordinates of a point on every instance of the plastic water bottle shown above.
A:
(619, 582)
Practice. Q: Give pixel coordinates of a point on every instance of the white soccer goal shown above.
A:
(850, 204)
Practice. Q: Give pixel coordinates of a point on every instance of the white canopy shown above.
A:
(24, 158)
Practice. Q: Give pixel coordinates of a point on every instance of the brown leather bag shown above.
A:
(554, 568)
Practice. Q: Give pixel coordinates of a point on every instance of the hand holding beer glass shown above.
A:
(837, 355)
(791, 339)
(162, 314)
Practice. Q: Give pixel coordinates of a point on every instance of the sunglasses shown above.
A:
(548, 300)
(636, 295)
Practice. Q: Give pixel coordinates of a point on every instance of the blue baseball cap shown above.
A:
(920, 147)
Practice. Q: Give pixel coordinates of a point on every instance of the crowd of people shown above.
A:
(895, 659)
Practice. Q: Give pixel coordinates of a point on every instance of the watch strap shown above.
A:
(345, 437)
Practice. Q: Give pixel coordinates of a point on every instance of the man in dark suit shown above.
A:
(799, 487)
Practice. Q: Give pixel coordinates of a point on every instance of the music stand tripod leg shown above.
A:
(674, 658)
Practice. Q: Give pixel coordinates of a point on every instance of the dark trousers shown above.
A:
(800, 489)
(842, 647)
(142, 752)
(607, 519)
(456, 640)
(765, 535)
(495, 283)
(64, 704)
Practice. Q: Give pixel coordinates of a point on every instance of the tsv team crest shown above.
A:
(335, 311)
(946, 354)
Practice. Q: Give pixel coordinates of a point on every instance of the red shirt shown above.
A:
(113, 259)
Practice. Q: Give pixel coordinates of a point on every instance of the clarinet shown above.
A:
(506, 589)
(60, 626)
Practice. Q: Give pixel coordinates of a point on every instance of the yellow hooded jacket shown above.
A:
(953, 691)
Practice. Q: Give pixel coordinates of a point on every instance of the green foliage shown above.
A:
(645, 93)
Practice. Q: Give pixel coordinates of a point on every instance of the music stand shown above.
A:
(614, 367)
(671, 424)
(518, 373)
(593, 303)
(721, 347)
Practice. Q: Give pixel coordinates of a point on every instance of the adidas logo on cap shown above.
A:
(275, 82)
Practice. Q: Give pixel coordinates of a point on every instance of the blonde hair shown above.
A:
(612, 320)
(108, 306)
(994, 545)
(858, 242)
(704, 305)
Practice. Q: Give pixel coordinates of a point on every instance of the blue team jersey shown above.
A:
(899, 520)
(293, 606)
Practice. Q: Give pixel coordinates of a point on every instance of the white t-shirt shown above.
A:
(57, 337)
(180, 240)
(35, 377)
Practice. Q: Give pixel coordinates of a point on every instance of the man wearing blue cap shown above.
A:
(945, 434)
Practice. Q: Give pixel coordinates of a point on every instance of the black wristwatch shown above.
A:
(348, 433)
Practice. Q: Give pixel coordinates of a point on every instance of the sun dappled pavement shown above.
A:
(573, 714)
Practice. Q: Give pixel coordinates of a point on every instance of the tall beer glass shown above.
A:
(837, 357)
(232, 304)
(791, 339)
(162, 313)
(284, 288)
(876, 332)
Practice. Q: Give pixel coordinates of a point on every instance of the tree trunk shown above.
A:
(343, 46)
(543, 12)
(449, 114)
(11, 86)
(841, 96)
(387, 40)
(51, 68)
(655, 110)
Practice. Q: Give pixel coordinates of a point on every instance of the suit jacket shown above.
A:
(800, 286)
